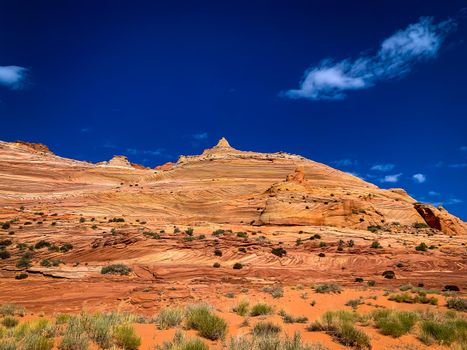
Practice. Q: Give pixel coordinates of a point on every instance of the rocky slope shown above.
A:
(222, 185)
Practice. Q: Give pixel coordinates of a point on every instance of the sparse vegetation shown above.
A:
(181, 342)
(208, 325)
(280, 252)
(287, 318)
(237, 266)
(264, 329)
(459, 304)
(389, 274)
(394, 323)
(327, 288)
(422, 247)
(116, 269)
(169, 317)
(261, 309)
(242, 308)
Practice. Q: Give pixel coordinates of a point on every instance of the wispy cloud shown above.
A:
(156, 152)
(458, 165)
(463, 148)
(85, 130)
(391, 178)
(201, 136)
(449, 201)
(395, 58)
(344, 162)
(419, 178)
(433, 193)
(13, 77)
(382, 167)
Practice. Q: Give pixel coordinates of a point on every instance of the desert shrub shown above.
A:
(74, 337)
(418, 225)
(421, 298)
(444, 331)
(7, 344)
(242, 234)
(81, 220)
(389, 274)
(37, 341)
(287, 318)
(66, 247)
(237, 266)
(116, 269)
(5, 242)
(374, 228)
(263, 329)
(216, 265)
(422, 247)
(169, 317)
(25, 261)
(272, 342)
(46, 263)
(242, 250)
(275, 291)
(280, 252)
(394, 323)
(451, 288)
(5, 225)
(353, 303)
(126, 338)
(322, 244)
(12, 310)
(375, 245)
(189, 231)
(321, 255)
(371, 283)
(151, 234)
(459, 304)
(21, 276)
(405, 287)
(9, 321)
(4, 254)
(208, 325)
(117, 220)
(180, 342)
(339, 324)
(358, 279)
(261, 309)
(242, 308)
(327, 288)
(217, 252)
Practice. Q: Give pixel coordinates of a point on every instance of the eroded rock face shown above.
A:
(222, 185)
(440, 219)
(39, 147)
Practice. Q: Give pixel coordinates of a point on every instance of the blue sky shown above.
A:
(373, 88)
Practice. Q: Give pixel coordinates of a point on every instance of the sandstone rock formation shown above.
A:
(222, 185)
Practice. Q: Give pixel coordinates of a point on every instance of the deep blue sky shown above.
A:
(143, 78)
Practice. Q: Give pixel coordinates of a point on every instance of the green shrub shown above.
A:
(216, 265)
(4, 254)
(275, 291)
(208, 325)
(237, 266)
(66, 247)
(327, 288)
(418, 225)
(242, 234)
(218, 252)
(126, 338)
(117, 220)
(116, 269)
(9, 322)
(442, 332)
(12, 310)
(287, 318)
(375, 245)
(459, 304)
(374, 228)
(151, 234)
(358, 279)
(389, 274)
(264, 329)
(189, 231)
(180, 342)
(394, 323)
(242, 308)
(261, 309)
(21, 276)
(280, 252)
(169, 317)
(371, 283)
(74, 337)
(422, 247)
(37, 341)
(353, 303)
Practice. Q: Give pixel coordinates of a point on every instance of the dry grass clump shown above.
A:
(394, 323)
(327, 288)
(181, 342)
(208, 325)
(261, 309)
(272, 342)
(169, 317)
(340, 325)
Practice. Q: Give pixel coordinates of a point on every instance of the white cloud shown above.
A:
(344, 162)
(201, 136)
(395, 58)
(419, 178)
(382, 167)
(156, 152)
(458, 165)
(13, 77)
(391, 178)
(433, 193)
(450, 201)
(463, 148)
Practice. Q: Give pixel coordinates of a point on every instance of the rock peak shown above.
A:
(223, 143)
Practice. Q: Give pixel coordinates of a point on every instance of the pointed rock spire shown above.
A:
(223, 143)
